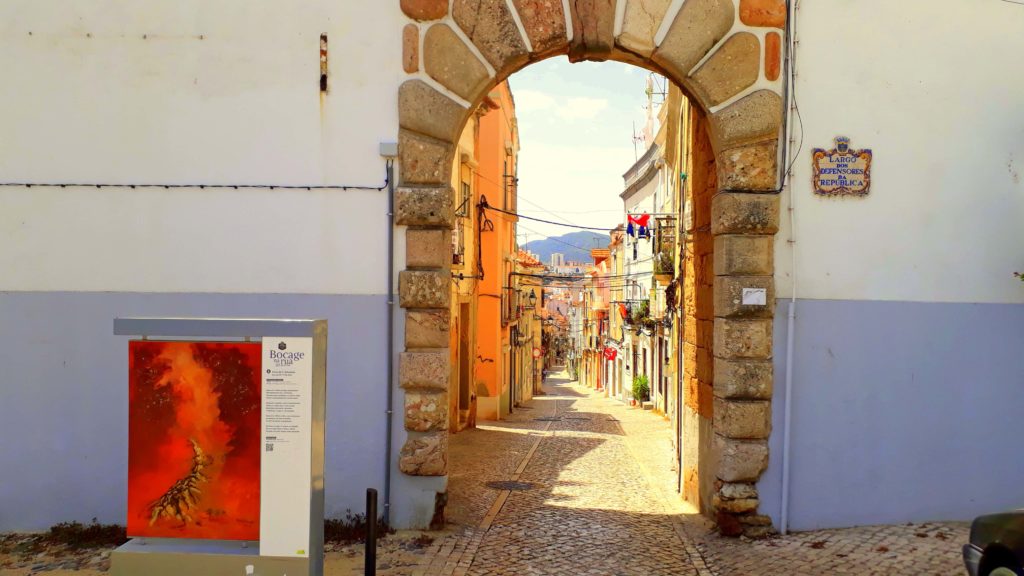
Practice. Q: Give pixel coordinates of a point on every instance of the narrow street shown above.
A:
(596, 498)
(582, 494)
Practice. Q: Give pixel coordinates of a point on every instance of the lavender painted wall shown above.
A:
(901, 412)
(63, 396)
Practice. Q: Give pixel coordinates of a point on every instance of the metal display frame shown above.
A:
(176, 556)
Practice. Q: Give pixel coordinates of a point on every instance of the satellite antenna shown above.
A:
(655, 88)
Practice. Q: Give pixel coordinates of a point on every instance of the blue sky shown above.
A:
(575, 130)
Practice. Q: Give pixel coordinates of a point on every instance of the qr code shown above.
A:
(270, 447)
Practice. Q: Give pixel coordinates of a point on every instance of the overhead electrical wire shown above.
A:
(528, 201)
(204, 186)
(485, 206)
(554, 239)
(618, 210)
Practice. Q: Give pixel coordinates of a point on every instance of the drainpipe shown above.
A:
(681, 322)
(790, 87)
(390, 151)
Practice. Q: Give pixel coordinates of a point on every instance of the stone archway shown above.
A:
(726, 54)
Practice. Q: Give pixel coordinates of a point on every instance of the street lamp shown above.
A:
(533, 297)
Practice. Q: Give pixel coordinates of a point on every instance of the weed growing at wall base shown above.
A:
(352, 528)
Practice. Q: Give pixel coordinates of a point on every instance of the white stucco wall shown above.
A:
(935, 89)
(191, 92)
(906, 364)
(195, 92)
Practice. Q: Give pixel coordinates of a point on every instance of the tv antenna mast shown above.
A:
(637, 139)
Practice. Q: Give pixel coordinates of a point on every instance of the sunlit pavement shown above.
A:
(593, 492)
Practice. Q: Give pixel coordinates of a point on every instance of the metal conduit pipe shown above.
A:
(390, 370)
(789, 103)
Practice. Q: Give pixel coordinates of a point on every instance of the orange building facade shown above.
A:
(485, 307)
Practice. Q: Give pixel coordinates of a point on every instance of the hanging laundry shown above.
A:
(634, 250)
(641, 220)
(644, 233)
(629, 229)
(623, 311)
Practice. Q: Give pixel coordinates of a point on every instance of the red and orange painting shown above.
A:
(194, 440)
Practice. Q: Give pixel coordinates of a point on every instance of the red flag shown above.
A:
(641, 220)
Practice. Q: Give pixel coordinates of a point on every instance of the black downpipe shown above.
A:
(679, 402)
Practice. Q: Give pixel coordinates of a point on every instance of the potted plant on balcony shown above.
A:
(639, 312)
(641, 390)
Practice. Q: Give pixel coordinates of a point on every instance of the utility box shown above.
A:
(225, 447)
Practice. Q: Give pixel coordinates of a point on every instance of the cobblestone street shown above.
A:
(598, 498)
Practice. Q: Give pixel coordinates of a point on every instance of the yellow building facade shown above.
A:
(483, 304)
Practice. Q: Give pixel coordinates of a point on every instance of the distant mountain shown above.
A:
(575, 245)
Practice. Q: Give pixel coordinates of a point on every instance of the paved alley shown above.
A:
(580, 494)
(593, 493)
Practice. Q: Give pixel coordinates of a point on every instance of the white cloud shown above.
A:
(531, 101)
(582, 108)
(576, 108)
(570, 177)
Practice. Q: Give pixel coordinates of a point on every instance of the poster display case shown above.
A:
(225, 446)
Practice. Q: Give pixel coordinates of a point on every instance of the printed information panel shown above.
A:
(286, 435)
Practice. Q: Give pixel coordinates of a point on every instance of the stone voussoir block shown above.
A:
(729, 295)
(772, 56)
(411, 48)
(423, 109)
(425, 370)
(743, 418)
(423, 160)
(424, 288)
(449, 61)
(544, 22)
(752, 118)
(740, 460)
(640, 25)
(427, 328)
(744, 255)
(428, 248)
(698, 26)
(743, 379)
(491, 27)
(593, 29)
(752, 168)
(425, 455)
(733, 68)
(744, 213)
(425, 412)
(424, 207)
(766, 13)
(425, 9)
(743, 338)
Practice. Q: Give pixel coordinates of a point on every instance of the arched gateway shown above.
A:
(726, 54)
